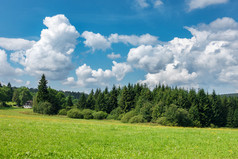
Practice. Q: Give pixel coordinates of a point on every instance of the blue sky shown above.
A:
(81, 45)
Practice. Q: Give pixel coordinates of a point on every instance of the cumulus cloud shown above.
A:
(51, 54)
(15, 43)
(172, 75)
(150, 58)
(113, 56)
(198, 4)
(87, 77)
(6, 69)
(145, 39)
(209, 56)
(97, 41)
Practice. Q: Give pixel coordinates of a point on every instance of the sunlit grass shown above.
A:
(24, 134)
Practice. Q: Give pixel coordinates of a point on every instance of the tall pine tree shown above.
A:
(43, 94)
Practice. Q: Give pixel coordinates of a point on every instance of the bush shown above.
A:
(115, 114)
(182, 117)
(128, 116)
(43, 108)
(137, 119)
(146, 111)
(175, 116)
(3, 104)
(99, 115)
(75, 113)
(62, 112)
(87, 114)
(163, 121)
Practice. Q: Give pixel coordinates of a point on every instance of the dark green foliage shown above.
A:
(183, 118)
(69, 101)
(170, 114)
(175, 116)
(87, 114)
(3, 105)
(6, 93)
(62, 112)
(15, 97)
(157, 111)
(75, 113)
(112, 101)
(100, 102)
(126, 99)
(115, 114)
(163, 121)
(90, 103)
(24, 95)
(137, 119)
(43, 94)
(194, 115)
(54, 101)
(21, 96)
(61, 99)
(128, 116)
(82, 102)
(99, 115)
(146, 111)
(44, 108)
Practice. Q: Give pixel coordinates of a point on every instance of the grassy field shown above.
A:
(24, 134)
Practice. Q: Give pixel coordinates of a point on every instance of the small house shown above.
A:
(28, 104)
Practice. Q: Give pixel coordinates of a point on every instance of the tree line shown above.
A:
(20, 95)
(137, 103)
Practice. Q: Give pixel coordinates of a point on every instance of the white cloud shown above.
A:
(113, 56)
(157, 3)
(147, 3)
(208, 59)
(150, 58)
(51, 54)
(6, 69)
(119, 70)
(145, 39)
(87, 77)
(15, 43)
(95, 41)
(172, 75)
(142, 3)
(195, 4)
(100, 42)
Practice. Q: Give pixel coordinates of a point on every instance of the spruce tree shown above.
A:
(69, 101)
(82, 102)
(43, 94)
(91, 101)
(100, 103)
(112, 102)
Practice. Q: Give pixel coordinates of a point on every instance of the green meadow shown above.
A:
(24, 134)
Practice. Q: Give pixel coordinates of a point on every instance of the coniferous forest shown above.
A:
(136, 103)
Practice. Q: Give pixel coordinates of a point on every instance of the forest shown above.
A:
(136, 103)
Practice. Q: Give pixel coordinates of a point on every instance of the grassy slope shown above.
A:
(27, 135)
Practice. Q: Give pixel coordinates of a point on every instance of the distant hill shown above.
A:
(230, 95)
